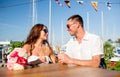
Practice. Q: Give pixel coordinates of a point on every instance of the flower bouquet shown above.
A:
(17, 59)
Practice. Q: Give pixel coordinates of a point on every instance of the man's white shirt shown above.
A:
(90, 45)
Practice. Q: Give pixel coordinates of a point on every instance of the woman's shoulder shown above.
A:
(47, 50)
(27, 46)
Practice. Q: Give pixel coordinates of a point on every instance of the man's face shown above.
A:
(72, 27)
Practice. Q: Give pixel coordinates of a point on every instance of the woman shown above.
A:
(37, 46)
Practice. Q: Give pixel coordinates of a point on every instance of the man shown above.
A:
(83, 49)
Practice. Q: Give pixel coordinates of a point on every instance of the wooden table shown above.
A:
(59, 70)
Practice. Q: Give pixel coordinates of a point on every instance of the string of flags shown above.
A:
(57, 1)
(108, 5)
(80, 2)
(67, 2)
(93, 3)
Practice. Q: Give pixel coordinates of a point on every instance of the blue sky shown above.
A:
(16, 18)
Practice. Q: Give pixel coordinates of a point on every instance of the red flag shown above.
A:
(95, 4)
(67, 2)
(57, 1)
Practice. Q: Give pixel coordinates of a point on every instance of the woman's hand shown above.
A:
(43, 59)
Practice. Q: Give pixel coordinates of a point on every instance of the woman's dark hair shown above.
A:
(34, 33)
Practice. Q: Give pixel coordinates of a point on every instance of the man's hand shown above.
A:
(63, 58)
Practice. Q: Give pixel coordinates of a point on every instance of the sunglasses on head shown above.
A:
(45, 30)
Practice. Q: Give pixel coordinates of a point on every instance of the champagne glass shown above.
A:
(63, 49)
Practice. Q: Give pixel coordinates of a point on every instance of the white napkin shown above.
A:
(32, 58)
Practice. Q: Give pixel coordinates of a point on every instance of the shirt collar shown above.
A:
(84, 38)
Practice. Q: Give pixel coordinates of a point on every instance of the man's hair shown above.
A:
(77, 18)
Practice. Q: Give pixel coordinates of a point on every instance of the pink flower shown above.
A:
(10, 66)
(22, 61)
(17, 59)
(12, 59)
(14, 54)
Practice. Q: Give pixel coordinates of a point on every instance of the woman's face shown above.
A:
(44, 34)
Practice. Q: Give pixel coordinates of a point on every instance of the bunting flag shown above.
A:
(57, 1)
(109, 5)
(67, 2)
(80, 1)
(95, 4)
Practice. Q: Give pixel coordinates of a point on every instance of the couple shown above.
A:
(83, 49)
